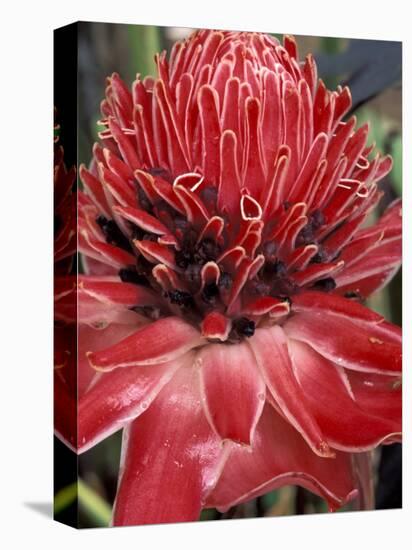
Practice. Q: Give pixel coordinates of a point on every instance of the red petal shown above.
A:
(230, 115)
(110, 292)
(354, 344)
(142, 219)
(156, 253)
(263, 305)
(216, 326)
(167, 278)
(233, 388)
(292, 108)
(165, 190)
(209, 274)
(253, 168)
(374, 256)
(196, 211)
(208, 102)
(92, 338)
(231, 258)
(299, 259)
(158, 342)
(336, 408)
(273, 192)
(271, 352)
(104, 252)
(290, 46)
(124, 143)
(310, 73)
(272, 115)
(100, 313)
(229, 187)
(176, 146)
(311, 301)
(305, 177)
(170, 458)
(247, 270)
(280, 457)
(315, 272)
(117, 186)
(378, 395)
(118, 397)
(213, 229)
(342, 104)
(65, 411)
(94, 267)
(147, 183)
(94, 190)
(365, 285)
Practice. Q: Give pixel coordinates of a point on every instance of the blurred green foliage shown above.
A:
(396, 152)
(331, 45)
(96, 509)
(144, 42)
(64, 498)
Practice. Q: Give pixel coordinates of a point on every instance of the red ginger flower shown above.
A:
(65, 243)
(222, 228)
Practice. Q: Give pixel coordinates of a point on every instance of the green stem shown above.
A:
(93, 505)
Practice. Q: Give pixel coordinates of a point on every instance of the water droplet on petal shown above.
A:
(374, 340)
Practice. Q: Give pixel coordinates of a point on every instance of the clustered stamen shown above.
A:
(274, 279)
(113, 233)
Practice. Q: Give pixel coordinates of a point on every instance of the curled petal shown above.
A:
(364, 347)
(158, 342)
(279, 457)
(216, 326)
(337, 408)
(270, 349)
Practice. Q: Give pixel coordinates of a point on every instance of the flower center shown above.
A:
(247, 268)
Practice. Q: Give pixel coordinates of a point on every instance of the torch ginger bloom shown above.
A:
(65, 205)
(222, 228)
